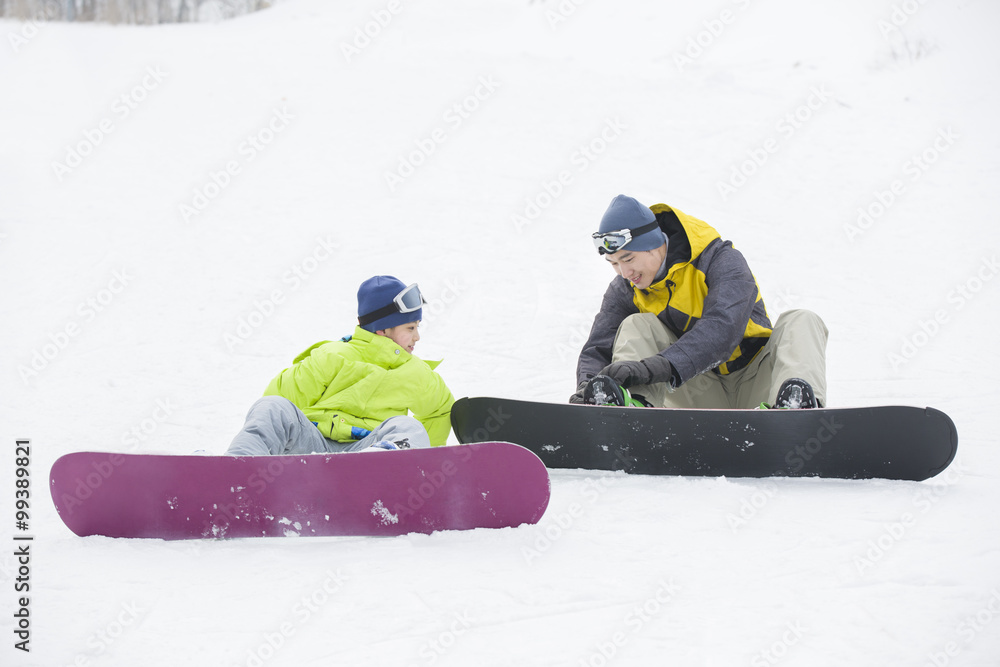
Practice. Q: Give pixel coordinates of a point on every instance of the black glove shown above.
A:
(647, 371)
(578, 396)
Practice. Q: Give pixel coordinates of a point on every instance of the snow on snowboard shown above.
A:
(890, 442)
(485, 485)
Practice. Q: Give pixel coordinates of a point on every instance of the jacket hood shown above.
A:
(688, 236)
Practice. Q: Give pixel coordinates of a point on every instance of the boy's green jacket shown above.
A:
(349, 387)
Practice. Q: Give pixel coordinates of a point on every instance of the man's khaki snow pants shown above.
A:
(796, 349)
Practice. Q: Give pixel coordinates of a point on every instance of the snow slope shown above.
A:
(185, 208)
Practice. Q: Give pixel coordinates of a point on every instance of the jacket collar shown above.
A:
(393, 355)
(383, 351)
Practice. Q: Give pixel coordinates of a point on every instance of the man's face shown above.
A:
(405, 335)
(638, 267)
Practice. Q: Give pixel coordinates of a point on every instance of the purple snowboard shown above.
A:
(485, 485)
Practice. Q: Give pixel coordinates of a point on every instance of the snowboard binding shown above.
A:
(794, 394)
(602, 390)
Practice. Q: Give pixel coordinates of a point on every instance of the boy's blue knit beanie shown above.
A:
(378, 292)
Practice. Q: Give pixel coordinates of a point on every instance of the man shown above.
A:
(357, 393)
(684, 324)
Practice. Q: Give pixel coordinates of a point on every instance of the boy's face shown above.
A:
(640, 267)
(404, 335)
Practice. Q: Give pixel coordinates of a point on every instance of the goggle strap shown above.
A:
(645, 228)
(384, 311)
(638, 231)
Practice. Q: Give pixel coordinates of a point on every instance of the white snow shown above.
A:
(382, 513)
(221, 190)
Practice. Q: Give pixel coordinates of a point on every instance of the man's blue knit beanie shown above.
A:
(627, 213)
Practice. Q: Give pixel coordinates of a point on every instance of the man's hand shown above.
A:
(647, 371)
(578, 396)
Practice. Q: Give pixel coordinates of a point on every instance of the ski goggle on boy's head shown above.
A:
(410, 299)
(407, 301)
(611, 242)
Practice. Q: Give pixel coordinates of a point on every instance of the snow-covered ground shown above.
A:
(185, 208)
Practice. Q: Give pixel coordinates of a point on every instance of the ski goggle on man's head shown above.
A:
(611, 242)
(407, 301)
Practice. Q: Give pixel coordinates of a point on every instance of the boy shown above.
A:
(684, 324)
(355, 394)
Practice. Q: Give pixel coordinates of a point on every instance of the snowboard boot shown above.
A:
(382, 446)
(794, 394)
(602, 390)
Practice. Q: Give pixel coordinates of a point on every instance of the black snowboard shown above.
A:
(889, 442)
